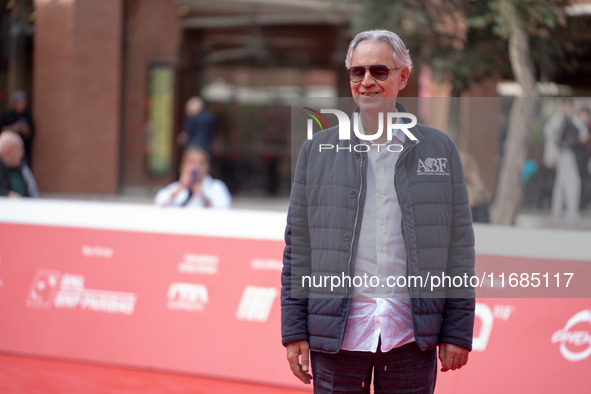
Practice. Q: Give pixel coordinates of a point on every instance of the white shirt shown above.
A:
(213, 189)
(381, 252)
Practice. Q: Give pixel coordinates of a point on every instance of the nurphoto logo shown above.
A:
(344, 124)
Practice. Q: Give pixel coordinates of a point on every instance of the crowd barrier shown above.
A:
(197, 292)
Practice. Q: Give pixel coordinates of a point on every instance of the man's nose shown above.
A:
(368, 79)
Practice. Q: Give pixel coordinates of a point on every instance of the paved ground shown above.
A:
(146, 196)
(543, 219)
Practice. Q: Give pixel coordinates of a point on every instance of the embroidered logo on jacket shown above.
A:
(433, 166)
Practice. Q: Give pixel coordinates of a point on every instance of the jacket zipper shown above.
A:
(404, 153)
(356, 220)
(397, 167)
(399, 163)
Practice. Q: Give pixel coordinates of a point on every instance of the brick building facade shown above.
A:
(97, 63)
(91, 61)
(93, 81)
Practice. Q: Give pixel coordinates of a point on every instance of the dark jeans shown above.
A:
(406, 369)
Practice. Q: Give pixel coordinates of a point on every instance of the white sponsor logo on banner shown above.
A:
(67, 291)
(575, 344)
(187, 297)
(266, 264)
(199, 264)
(256, 303)
(97, 251)
(486, 317)
(43, 289)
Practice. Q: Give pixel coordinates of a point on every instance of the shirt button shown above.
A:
(356, 155)
(347, 237)
(353, 194)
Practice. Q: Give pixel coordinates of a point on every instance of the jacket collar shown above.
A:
(415, 130)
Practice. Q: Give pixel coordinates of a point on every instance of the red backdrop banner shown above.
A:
(209, 305)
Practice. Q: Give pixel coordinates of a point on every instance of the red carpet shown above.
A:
(25, 375)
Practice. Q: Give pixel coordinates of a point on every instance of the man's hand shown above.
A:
(452, 356)
(175, 193)
(197, 190)
(294, 351)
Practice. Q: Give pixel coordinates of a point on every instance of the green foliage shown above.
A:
(476, 47)
(537, 17)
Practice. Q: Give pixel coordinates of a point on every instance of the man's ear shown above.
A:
(404, 75)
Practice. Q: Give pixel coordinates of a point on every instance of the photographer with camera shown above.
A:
(195, 187)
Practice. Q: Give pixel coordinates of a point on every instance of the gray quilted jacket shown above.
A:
(323, 224)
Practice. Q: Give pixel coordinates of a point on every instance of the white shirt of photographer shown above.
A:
(376, 311)
(213, 189)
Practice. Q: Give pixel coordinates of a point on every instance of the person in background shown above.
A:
(18, 119)
(566, 194)
(16, 179)
(583, 154)
(477, 193)
(552, 131)
(199, 126)
(195, 187)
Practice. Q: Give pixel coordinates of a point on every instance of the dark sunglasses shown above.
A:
(377, 71)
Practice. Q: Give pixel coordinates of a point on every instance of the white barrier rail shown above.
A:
(250, 224)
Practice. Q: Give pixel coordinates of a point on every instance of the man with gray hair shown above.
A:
(384, 214)
(18, 118)
(16, 179)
